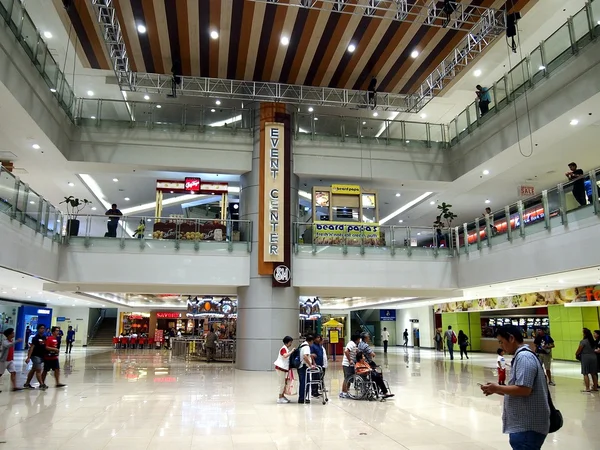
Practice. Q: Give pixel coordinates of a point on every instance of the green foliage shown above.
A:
(74, 206)
(447, 214)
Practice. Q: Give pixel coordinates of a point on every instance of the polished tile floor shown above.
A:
(142, 399)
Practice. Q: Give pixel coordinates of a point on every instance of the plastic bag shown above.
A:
(290, 386)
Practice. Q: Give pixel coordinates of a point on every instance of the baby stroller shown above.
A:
(314, 377)
(364, 387)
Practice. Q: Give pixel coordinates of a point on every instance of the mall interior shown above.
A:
(283, 168)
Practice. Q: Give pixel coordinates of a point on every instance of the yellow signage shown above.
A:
(344, 233)
(346, 189)
(274, 230)
(334, 336)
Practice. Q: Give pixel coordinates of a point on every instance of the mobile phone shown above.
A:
(479, 384)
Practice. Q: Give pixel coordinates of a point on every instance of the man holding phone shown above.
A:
(526, 414)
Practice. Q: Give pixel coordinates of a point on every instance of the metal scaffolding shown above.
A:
(457, 16)
(266, 92)
(113, 38)
(491, 25)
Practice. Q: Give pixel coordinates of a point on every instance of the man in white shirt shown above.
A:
(385, 337)
(305, 362)
(348, 362)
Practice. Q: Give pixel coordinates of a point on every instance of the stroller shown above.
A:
(314, 377)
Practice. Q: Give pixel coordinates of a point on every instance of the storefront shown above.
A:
(172, 320)
(561, 313)
(217, 313)
(134, 322)
(31, 316)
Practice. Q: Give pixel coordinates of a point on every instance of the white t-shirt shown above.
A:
(351, 347)
(324, 357)
(304, 351)
(281, 362)
(502, 361)
(385, 335)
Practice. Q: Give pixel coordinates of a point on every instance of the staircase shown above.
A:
(105, 333)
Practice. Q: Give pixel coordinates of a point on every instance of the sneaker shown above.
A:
(388, 395)
(306, 401)
(552, 383)
(343, 395)
(16, 389)
(28, 386)
(43, 387)
(59, 385)
(282, 400)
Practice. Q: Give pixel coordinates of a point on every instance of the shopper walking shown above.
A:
(526, 412)
(451, 339)
(463, 343)
(27, 336)
(438, 340)
(589, 362)
(70, 339)
(385, 337)
(211, 345)
(305, 363)
(543, 349)
(348, 362)
(7, 356)
(37, 351)
(51, 358)
(282, 367)
(405, 337)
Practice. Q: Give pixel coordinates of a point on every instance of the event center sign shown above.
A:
(274, 210)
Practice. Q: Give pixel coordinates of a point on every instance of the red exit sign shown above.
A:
(192, 184)
(168, 315)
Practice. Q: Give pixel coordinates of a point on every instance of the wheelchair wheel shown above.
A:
(357, 387)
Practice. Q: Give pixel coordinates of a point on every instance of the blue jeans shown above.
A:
(302, 378)
(526, 440)
(450, 346)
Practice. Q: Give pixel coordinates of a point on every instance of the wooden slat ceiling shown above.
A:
(249, 47)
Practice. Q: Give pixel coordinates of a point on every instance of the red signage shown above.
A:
(168, 315)
(192, 184)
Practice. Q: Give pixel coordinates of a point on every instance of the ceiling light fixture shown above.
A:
(52, 90)
(542, 68)
(214, 34)
(432, 202)
(285, 40)
(574, 122)
(70, 183)
(141, 28)
(213, 110)
(126, 199)
(92, 117)
(351, 48)
(398, 194)
(31, 202)
(414, 54)
(400, 221)
(94, 208)
(218, 102)
(316, 118)
(47, 35)
(375, 114)
(310, 109)
(477, 73)
(488, 201)
(423, 116)
(409, 205)
(146, 97)
(116, 180)
(158, 106)
(486, 172)
(35, 146)
(408, 142)
(364, 123)
(90, 93)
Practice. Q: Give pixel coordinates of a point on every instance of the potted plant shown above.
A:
(74, 207)
(446, 214)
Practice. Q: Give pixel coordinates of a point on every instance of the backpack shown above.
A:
(295, 358)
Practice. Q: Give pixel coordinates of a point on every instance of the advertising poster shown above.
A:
(339, 233)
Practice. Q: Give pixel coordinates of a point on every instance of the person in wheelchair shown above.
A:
(364, 369)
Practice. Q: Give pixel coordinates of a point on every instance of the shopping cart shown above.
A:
(314, 377)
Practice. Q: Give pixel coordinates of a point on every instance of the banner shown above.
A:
(574, 295)
(338, 233)
(274, 211)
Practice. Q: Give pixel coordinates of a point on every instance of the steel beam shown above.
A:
(463, 18)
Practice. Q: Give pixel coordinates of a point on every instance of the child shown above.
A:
(501, 368)
(7, 355)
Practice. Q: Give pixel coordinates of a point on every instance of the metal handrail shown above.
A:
(98, 323)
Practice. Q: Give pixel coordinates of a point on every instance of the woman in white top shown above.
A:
(282, 367)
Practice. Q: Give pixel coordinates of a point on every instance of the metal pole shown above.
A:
(465, 238)
(509, 230)
(546, 209)
(478, 230)
(562, 202)
(594, 182)
(521, 218)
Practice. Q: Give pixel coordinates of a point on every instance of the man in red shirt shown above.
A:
(7, 356)
(51, 358)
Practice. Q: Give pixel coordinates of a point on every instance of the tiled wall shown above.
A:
(565, 328)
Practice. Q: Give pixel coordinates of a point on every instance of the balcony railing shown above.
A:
(23, 204)
(159, 232)
(19, 22)
(552, 53)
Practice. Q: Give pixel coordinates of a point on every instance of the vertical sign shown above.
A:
(274, 211)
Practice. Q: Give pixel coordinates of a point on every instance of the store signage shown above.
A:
(274, 211)
(335, 233)
(387, 315)
(168, 315)
(413, 320)
(282, 274)
(43, 312)
(345, 189)
(526, 191)
(61, 319)
(192, 184)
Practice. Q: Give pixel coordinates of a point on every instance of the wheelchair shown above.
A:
(363, 387)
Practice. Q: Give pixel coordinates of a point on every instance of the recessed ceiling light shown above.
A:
(90, 93)
(52, 90)
(488, 201)
(14, 288)
(146, 97)
(35, 146)
(375, 114)
(423, 116)
(94, 208)
(141, 28)
(351, 48)
(310, 109)
(213, 110)
(214, 34)
(400, 221)
(542, 68)
(408, 142)
(414, 54)
(486, 172)
(285, 40)
(31, 202)
(364, 123)
(218, 102)
(398, 194)
(116, 180)
(92, 117)
(70, 183)
(126, 199)
(477, 73)
(29, 296)
(574, 122)
(47, 35)
(158, 106)
(432, 202)
(418, 234)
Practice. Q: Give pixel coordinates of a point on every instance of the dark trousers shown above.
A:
(378, 379)
(484, 107)
(210, 353)
(69, 347)
(316, 377)
(111, 228)
(302, 382)
(463, 350)
(385, 345)
(580, 197)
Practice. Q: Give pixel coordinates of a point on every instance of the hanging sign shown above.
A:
(274, 210)
(526, 191)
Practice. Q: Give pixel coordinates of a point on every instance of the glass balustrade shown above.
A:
(552, 53)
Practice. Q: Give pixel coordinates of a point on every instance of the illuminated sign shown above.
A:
(44, 312)
(274, 211)
(526, 191)
(168, 315)
(346, 189)
(192, 184)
